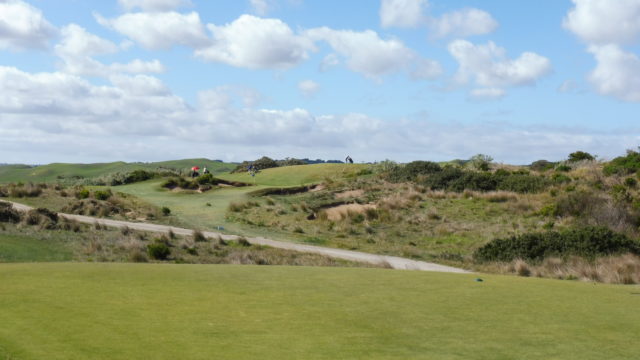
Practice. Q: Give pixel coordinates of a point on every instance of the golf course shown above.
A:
(81, 283)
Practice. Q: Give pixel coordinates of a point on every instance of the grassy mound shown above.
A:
(296, 175)
(143, 311)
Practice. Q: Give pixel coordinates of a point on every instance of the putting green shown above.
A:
(147, 311)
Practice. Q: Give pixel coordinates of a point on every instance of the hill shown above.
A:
(60, 171)
(297, 175)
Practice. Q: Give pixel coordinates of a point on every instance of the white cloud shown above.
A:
(78, 47)
(617, 72)
(487, 93)
(256, 43)
(260, 7)
(138, 118)
(413, 13)
(23, 26)
(308, 88)
(366, 52)
(605, 21)
(329, 61)
(402, 13)
(568, 86)
(463, 23)
(153, 5)
(488, 66)
(160, 30)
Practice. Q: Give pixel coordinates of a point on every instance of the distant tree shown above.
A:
(481, 162)
(579, 156)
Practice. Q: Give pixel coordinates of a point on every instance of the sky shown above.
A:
(151, 80)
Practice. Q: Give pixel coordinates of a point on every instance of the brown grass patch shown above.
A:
(340, 212)
(349, 194)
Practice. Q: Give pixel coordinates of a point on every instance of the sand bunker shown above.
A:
(340, 212)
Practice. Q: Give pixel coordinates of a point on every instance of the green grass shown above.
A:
(56, 171)
(296, 175)
(143, 311)
(27, 248)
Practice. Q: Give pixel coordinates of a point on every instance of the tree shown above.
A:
(579, 156)
(481, 162)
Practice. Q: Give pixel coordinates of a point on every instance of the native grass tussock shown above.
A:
(622, 269)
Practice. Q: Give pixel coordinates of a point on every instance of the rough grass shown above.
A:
(146, 311)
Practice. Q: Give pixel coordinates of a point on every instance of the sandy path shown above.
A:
(394, 261)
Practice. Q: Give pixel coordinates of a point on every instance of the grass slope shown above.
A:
(296, 175)
(142, 311)
(52, 172)
(26, 248)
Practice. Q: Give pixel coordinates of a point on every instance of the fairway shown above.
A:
(143, 311)
(296, 175)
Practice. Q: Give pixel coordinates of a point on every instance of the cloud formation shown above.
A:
(606, 26)
(153, 5)
(308, 88)
(158, 31)
(23, 26)
(256, 43)
(487, 66)
(414, 13)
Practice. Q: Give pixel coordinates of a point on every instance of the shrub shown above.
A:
(166, 211)
(412, 170)
(8, 213)
(630, 182)
(542, 165)
(82, 193)
(479, 181)
(580, 156)
(158, 251)
(138, 175)
(560, 178)
(523, 183)
(623, 165)
(198, 236)
(589, 242)
(563, 168)
(481, 162)
(102, 194)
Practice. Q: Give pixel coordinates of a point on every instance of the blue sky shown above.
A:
(145, 80)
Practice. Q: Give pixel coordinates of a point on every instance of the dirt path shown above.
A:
(394, 261)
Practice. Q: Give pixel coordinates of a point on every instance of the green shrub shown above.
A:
(563, 168)
(542, 165)
(560, 178)
(412, 170)
(580, 156)
(82, 193)
(166, 211)
(102, 194)
(479, 181)
(523, 183)
(630, 182)
(481, 162)
(158, 251)
(589, 242)
(198, 236)
(623, 165)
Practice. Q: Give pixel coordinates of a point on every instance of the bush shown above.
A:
(260, 164)
(630, 182)
(589, 242)
(542, 165)
(479, 181)
(623, 165)
(102, 194)
(580, 156)
(166, 211)
(8, 213)
(158, 251)
(198, 236)
(411, 171)
(563, 168)
(481, 162)
(82, 193)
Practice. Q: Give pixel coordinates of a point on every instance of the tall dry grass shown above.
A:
(622, 269)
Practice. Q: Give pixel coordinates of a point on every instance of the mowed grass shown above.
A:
(198, 210)
(56, 171)
(296, 175)
(26, 248)
(144, 311)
